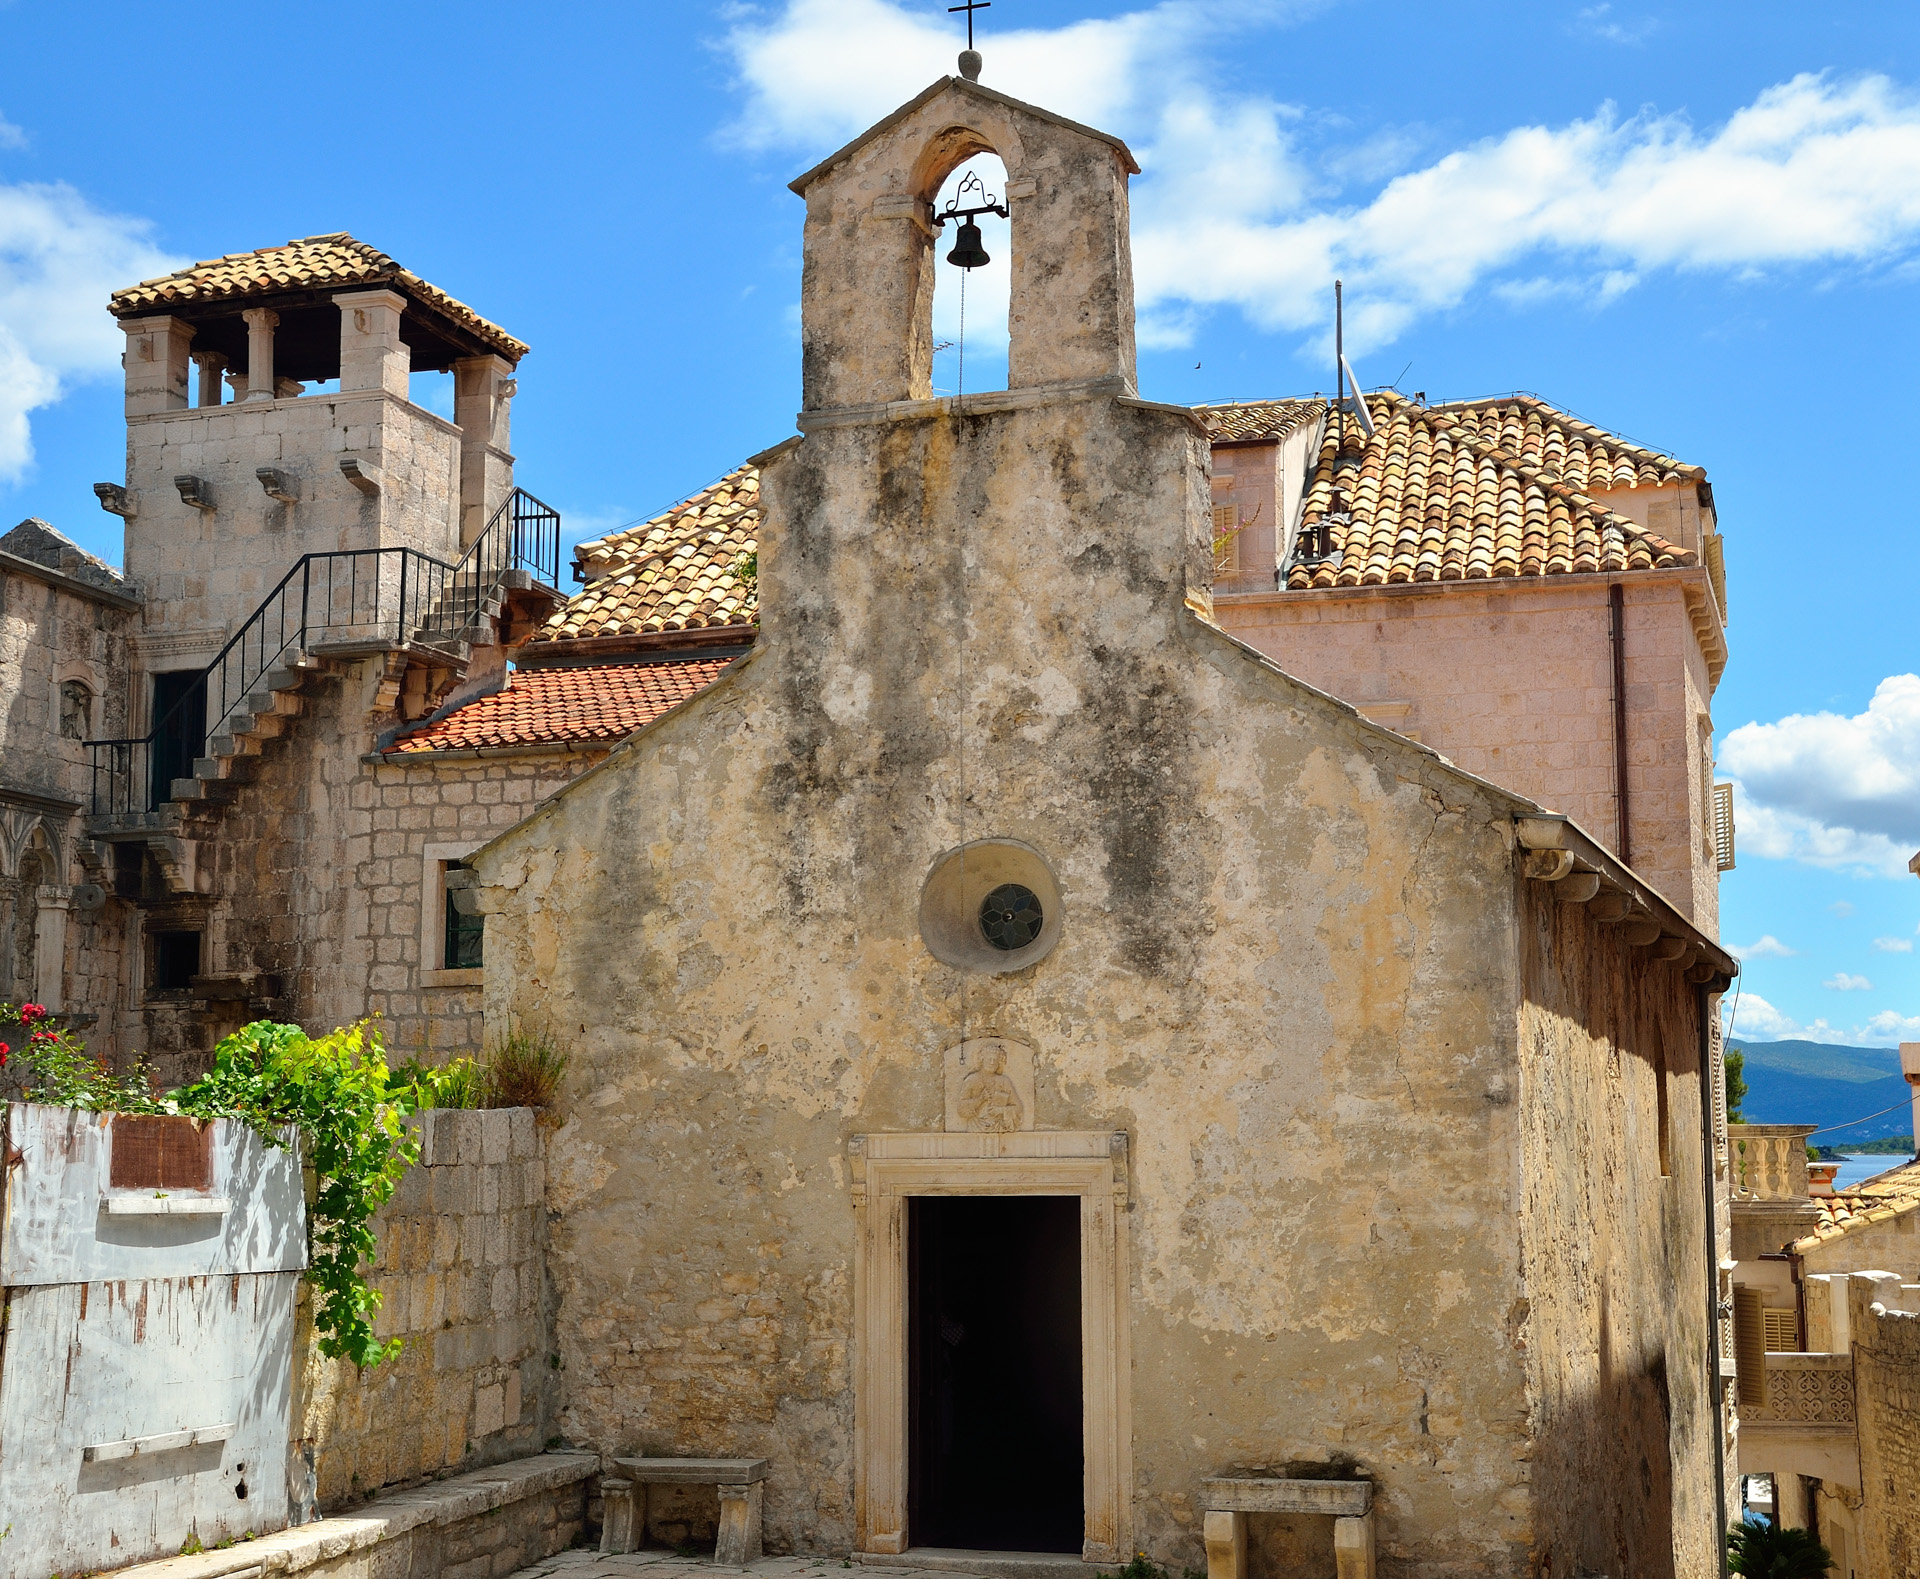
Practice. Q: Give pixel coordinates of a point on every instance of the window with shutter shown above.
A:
(1750, 1346)
(1723, 826)
(1226, 537)
(1783, 1331)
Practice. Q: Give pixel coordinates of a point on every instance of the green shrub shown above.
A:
(1766, 1551)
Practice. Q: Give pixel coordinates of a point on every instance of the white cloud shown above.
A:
(1769, 947)
(1841, 907)
(59, 258)
(1598, 21)
(1233, 210)
(1831, 790)
(1755, 1019)
(11, 136)
(1894, 945)
(1840, 981)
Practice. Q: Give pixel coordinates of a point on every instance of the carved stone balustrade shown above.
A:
(1807, 1425)
(1769, 1161)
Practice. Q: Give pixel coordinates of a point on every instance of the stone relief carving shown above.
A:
(1813, 1394)
(989, 1085)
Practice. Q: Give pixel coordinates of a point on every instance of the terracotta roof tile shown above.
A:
(673, 573)
(602, 702)
(311, 262)
(1873, 1201)
(1259, 419)
(1478, 490)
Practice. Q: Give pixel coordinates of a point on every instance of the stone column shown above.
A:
(740, 1516)
(213, 368)
(156, 364)
(50, 948)
(1353, 1547)
(372, 354)
(1225, 1535)
(261, 322)
(482, 392)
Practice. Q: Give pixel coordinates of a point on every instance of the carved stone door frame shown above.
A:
(886, 1169)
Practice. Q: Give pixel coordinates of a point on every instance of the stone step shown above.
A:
(210, 791)
(988, 1565)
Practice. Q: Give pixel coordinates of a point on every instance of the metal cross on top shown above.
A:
(970, 7)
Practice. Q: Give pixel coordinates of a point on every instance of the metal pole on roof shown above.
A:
(1339, 368)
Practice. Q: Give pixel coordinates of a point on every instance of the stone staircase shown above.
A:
(267, 712)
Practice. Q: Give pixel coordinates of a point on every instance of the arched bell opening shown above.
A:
(973, 274)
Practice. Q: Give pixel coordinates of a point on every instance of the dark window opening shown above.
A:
(995, 1460)
(176, 960)
(466, 928)
(179, 730)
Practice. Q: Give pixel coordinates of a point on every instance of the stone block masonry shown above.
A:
(462, 1277)
(1886, 1379)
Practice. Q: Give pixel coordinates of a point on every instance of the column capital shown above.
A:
(162, 323)
(260, 317)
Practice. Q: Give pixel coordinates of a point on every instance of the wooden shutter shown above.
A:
(1782, 1330)
(1723, 826)
(1750, 1346)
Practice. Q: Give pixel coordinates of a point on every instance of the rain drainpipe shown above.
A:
(1617, 608)
(1716, 1390)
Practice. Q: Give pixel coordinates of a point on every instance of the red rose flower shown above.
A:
(29, 1012)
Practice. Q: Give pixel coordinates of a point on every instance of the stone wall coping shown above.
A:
(433, 419)
(1023, 398)
(439, 1502)
(1344, 1499)
(695, 1471)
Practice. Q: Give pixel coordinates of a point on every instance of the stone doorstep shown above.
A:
(987, 1565)
(441, 1502)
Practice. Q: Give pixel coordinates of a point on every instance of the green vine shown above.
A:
(336, 1090)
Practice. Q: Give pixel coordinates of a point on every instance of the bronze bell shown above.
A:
(967, 252)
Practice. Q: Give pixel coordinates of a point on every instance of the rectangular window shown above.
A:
(1782, 1329)
(465, 926)
(1723, 826)
(176, 960)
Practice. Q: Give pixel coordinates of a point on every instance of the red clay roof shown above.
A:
(602, 702)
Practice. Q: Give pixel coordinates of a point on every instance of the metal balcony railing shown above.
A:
(347, 598)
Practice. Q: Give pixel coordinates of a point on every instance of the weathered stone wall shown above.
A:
(51, 633)
(461, 1272)
(1287, 972)
(1515, 682)
(1886, 1380)
(1892, 1244)
(1613, 1240)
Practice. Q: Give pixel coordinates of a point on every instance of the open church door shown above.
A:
(994, 1457)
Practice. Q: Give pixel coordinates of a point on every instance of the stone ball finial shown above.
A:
(970, 64)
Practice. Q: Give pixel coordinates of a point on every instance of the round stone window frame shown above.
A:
(961, 879)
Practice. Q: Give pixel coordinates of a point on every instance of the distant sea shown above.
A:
(1858, 1166)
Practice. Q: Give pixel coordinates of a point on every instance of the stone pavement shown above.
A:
(583, 1564)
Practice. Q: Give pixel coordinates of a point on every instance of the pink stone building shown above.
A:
(1537, 599)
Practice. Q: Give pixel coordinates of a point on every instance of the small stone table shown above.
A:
(1228, 1501)
(741, 1482)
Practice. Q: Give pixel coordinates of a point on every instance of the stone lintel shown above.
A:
(1343, 1499)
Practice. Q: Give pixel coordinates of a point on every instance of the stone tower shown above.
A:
(223, 495)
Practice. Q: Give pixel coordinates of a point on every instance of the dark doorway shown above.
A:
(179, 730)
(993, 1330)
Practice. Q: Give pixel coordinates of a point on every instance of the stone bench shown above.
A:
(1228, 1501)
(742, 1486)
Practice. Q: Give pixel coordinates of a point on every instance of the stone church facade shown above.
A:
(1158, 890)
(1037, 1061)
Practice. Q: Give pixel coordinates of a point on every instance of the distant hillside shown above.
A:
(1816, 1083)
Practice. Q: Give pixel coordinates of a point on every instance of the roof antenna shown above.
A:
(970, 57)
(1339, 370)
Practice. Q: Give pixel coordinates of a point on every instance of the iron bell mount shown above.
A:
(968, 252)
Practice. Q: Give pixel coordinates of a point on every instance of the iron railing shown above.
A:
(524, 534)
(346, 598)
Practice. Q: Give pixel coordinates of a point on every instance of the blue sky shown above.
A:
(1696, 224)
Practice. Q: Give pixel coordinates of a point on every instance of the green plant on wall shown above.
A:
(335, 1090)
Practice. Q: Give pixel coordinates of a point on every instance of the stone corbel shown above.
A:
(194, 491)
(363, 474)
(1549, 866)
(1578, 889)
(903, 205)
(278, 484)
(115, 500)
